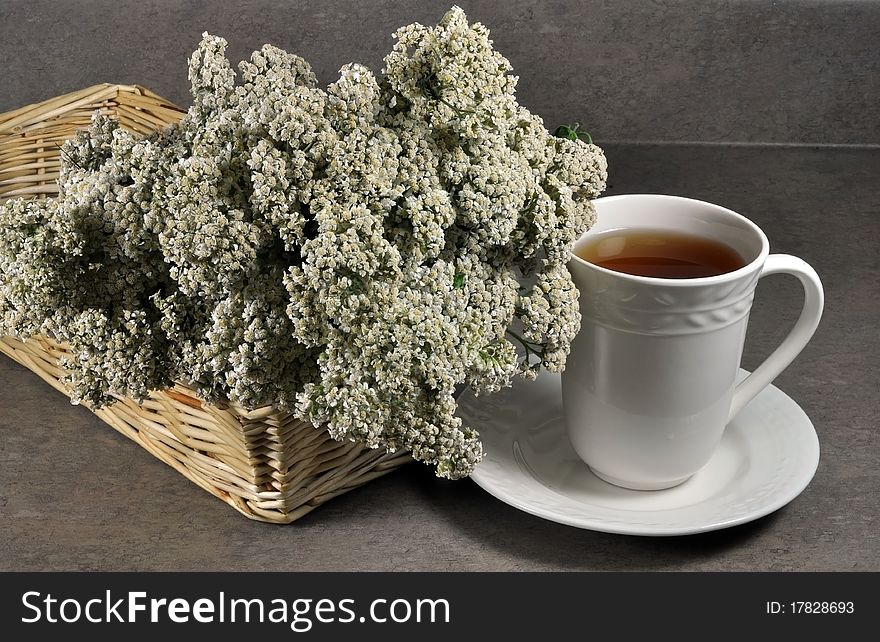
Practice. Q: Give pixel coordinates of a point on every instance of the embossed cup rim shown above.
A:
(751, 266)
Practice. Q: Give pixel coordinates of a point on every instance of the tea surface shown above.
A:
(660, 253)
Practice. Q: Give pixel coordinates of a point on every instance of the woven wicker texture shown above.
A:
(266, 464)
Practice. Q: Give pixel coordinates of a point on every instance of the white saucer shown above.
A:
(767, 456)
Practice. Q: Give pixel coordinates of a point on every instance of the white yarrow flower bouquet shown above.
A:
(351, 254)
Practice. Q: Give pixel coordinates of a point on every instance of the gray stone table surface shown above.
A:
(76, 495)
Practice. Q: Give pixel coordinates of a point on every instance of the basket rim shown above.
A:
(14, 121)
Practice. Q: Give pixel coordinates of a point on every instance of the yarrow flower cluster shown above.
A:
(352, 255)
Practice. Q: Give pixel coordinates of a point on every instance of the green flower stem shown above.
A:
(529, 346)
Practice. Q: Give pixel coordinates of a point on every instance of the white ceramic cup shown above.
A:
(650, 381)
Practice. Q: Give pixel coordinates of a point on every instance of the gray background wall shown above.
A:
(787, 71)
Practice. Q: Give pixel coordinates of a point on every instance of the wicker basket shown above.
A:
(266, 464)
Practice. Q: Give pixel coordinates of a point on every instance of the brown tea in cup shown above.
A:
(660, 253)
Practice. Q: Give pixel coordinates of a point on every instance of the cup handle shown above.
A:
(814, 303)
